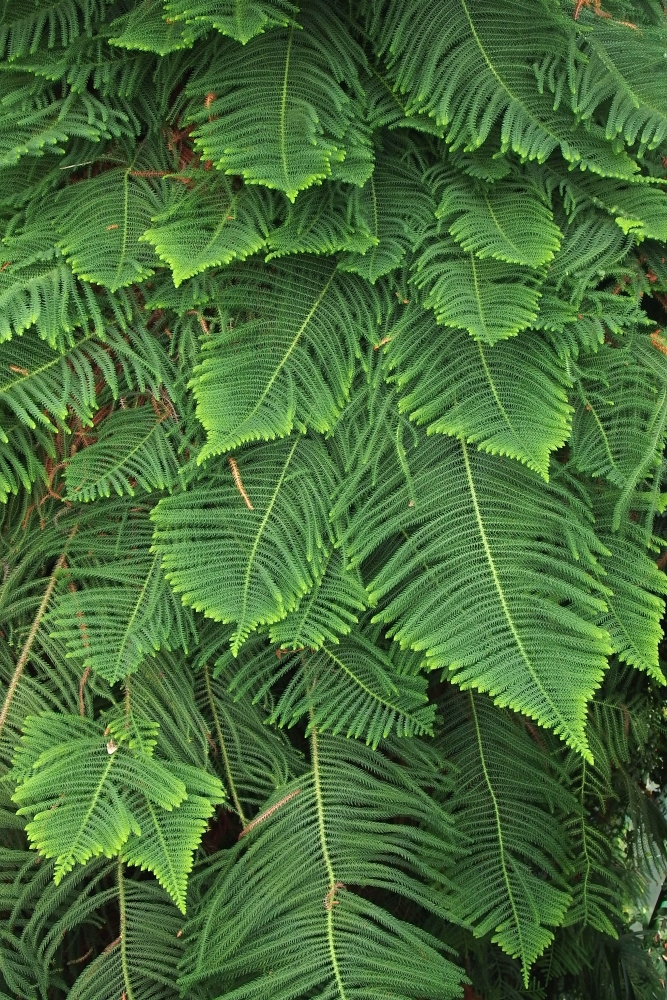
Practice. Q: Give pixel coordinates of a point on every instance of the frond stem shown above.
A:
(123, 936)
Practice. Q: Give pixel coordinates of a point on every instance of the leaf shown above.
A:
(133, 447)
(169, 838)
(494, 578)
(294, 74)
(290, 363)
(209, 223)
(250, 565)
(148, 28)
(351, 688)
(483, 217)
(509, 400)
(510, 883)
(238, 19)
(323, 220)
(75, 789)
(303, 855)
(327, 611)
(120, 608)
(488, 298)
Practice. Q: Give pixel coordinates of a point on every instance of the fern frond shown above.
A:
(509, 400)
(23, 28)
(142, 961)
(510, 881)
(306, 929)
(397, 207)
(148, 28)
(323, 220)
(483, 218)
(132, 447)
(209, 223)
(352, 688)
(250, 565)
(294, 75)
(288, 364)
(238, 19)
(468, 67)
(75, 782)
(120, 608)
(488, 298)
(328, 611)
(510, 564)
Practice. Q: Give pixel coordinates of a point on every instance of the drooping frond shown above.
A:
(148, 28)
(459, 386)
(61, 21)
(324, 219)
(238, 19)
(119, 608)
(288, 364)
(351, 688)
(132, 447)
(514, 619)
(510, 881)
(468, 67)
(294, 75)
(298, 924)
(254, 557)
(142, 961)
(488, 298)
(209, 223)
(483, 218)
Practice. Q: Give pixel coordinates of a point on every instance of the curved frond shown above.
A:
(132, 447)
(300, 859)
(351, 688)
(290, 363)
(209, 223)
(148, 28)
(488, 298)
(495, 580)
(238, 19)
(324, 219)
(294, 76)
(509, 400)
(510, 881)
(23, 27)
(255, 553)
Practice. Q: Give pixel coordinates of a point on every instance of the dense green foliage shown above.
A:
(332, 418)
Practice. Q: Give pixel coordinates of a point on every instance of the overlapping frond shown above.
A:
(292, 884)
(278, 115)
(238, 19)
(290, 363)
(262, 525)
(458, 386)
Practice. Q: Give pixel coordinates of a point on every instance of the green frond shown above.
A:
(468, 67)
(148, 28)
(99, 222)
(509, 400)
(620, 417)
(385, 108)
(592, 246)
(142, 961)
(397, 207)
(20, 464)
(495, 579)
(510, 881)
(290, 362)
(120, 609)
(132, 447)
(209, 223)
(288, 920)
(77, 782)
(262, 527)
(169, 839)
(238, 19)
(323, 220)
(483, 217)
(488, 298)
(351, 688)
(24, 26)
(294, 75)
(329, 610)
(620, 73)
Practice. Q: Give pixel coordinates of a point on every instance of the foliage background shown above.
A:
(333, 394)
